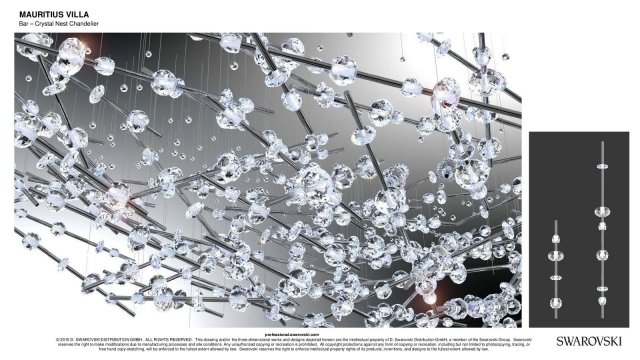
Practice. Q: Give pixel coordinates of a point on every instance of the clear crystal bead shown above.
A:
(363, 136)
(343, 70)
(555, 303)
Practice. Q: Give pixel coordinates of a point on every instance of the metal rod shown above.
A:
(356, 117)
(474, 68)
(362, 75)
(285, 88)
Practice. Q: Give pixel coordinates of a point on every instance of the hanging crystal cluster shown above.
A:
(325, 258)
(555, 256)
(602, 212)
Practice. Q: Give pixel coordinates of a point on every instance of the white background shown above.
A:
(580, 74)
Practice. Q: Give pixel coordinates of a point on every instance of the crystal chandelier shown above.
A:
(555, 256)
(602, 212)
(335, 250)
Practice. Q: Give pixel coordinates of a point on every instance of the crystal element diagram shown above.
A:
(555, 256)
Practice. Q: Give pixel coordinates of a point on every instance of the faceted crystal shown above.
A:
(380, 113)
(342, 176)
(382, 289)
(327, 95)
(292, 100)
(104, 66)
(50, 124)
(425, 126)
(602, 255)
(343, 70)
(363, 136)
(555, 239)
(458, 273)
(238, 299)
(149, 156)
(58, 229)
(334, 255)
(194, 210)
(163, 299)
(602, 288)
(487, 84)
(137, 121)
(88, 281)
(31, 107)
(444, 48)
(31, 53)
(602, 226)
(602, 211)
(138, 237)
(555, 277)
(471, 172)
(446, 95)
(555, 303)
(556, 256)
(364, 168)
(292, 46)
(411, 88)
(489, 148)
(30, 241)
(230, 42)
(75, 139)
(602, 301)
(53, 89)
(602, 166)
(96, 94)
(164, 83)
(276, 77)
(482, 56)
(69, 61)
(425, 37)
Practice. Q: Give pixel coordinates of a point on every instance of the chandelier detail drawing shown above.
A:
(275, 177)
(555, 256)
(602, 212)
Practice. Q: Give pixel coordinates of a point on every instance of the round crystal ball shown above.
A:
(602, 255)
(602, 301)
(602, 211)
(555, 303)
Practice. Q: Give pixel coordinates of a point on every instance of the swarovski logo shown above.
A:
(589, 341)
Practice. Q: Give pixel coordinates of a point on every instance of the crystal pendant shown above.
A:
(555, 303)
(602, 211)
(556, 256)
(602, 255)
(602, 301)
(446, 96)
